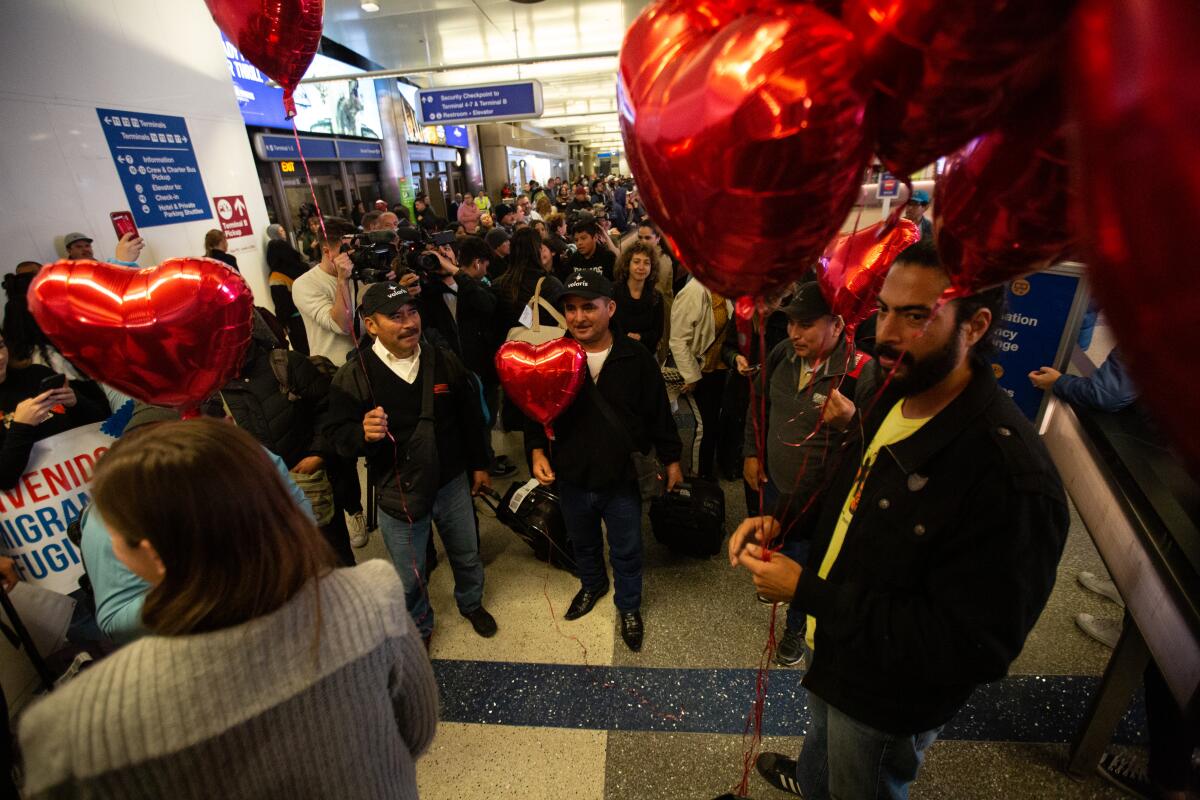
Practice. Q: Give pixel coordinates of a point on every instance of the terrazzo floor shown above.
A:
(551, 710)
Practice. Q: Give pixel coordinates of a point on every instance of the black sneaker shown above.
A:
(501, 467)
(483, 622)
(779, 771)
(1128, 774)
(791, 649)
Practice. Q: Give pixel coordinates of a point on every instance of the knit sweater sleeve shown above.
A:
(412, 686)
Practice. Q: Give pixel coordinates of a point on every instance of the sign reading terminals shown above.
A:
(491, 103)
(157, 165)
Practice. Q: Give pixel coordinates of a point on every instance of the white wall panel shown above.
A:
(59, 61)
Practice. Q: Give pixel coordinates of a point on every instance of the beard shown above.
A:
(924, 373)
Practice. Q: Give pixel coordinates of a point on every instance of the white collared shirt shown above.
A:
(405, 368)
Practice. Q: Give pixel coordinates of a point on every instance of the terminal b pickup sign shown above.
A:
(463, 105)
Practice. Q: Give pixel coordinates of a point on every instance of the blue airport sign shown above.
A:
(156, 163)
(462, 105)
(272, 147)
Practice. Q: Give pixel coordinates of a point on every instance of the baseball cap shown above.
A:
(496, 237)
(921, 196)
(807, 303)
(384, 298)
(499, 211)
(72, 238)
(588, 284)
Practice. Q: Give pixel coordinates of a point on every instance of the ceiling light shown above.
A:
(369, 5)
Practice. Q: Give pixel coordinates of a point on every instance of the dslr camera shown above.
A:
(379, 253)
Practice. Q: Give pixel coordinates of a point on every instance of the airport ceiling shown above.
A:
(431, 37)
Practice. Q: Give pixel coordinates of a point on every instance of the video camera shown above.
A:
(375, 254)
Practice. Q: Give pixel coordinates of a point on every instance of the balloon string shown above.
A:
(752, 730)
(308, 178)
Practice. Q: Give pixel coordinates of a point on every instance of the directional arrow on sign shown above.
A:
(239, 207)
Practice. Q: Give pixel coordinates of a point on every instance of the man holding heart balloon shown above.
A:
(590, 459)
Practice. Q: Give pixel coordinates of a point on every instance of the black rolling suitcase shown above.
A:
(531, 511)
(690, 520)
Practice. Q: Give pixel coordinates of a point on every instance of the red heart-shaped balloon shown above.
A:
(1136, 101)
(542, 379)
(744, 126)
(853, 267)
(946, 71)
(1001, 206)
(170, 335)
(280, 37)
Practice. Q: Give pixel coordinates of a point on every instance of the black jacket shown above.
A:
(586, 450)
(458, 415)
(286, 427)
(945, 567)
(476, 306)
(643, 316)
(17, 438)
(510, 307)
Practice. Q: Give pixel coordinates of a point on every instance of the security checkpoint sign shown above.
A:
(35, 513)
(233, 216)
(463, 105)
(156, 163)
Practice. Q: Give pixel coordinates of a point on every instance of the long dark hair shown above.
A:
(233, 541)
(21, 331)
(525, 256)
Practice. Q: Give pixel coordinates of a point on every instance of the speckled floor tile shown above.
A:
(493, 761)
(683, 766)
(531, 627)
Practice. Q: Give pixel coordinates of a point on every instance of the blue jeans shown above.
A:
(795, 549)
(454, 513)
(846, 759)
(621, 510)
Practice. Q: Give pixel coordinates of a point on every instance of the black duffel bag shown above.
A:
(532, 512)
(691, 519)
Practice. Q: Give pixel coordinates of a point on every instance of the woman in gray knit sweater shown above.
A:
(268, 674)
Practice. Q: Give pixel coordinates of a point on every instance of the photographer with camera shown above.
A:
(324, 294)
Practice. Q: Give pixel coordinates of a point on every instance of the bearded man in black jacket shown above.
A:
(934, 546)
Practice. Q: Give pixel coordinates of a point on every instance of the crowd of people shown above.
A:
(898, 502)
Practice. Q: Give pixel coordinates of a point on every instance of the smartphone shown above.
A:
(443, 238)
(122, 222)
(54, 381)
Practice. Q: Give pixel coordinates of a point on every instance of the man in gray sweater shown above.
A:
(800, 375)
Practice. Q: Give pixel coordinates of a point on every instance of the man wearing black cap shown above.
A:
(801, 373)
(623, 406)
(407, 399)
(499, 240)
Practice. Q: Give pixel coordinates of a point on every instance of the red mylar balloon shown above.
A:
(280, 37)
(170, 335)
(744, 126)
(542, 379)
(1001, 207)
(946, 71)
(852, 270)
(1134, 70)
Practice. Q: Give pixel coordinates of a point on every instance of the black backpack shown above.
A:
(537, 519)
(690, 520)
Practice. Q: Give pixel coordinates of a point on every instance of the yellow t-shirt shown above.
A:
(896, 427)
